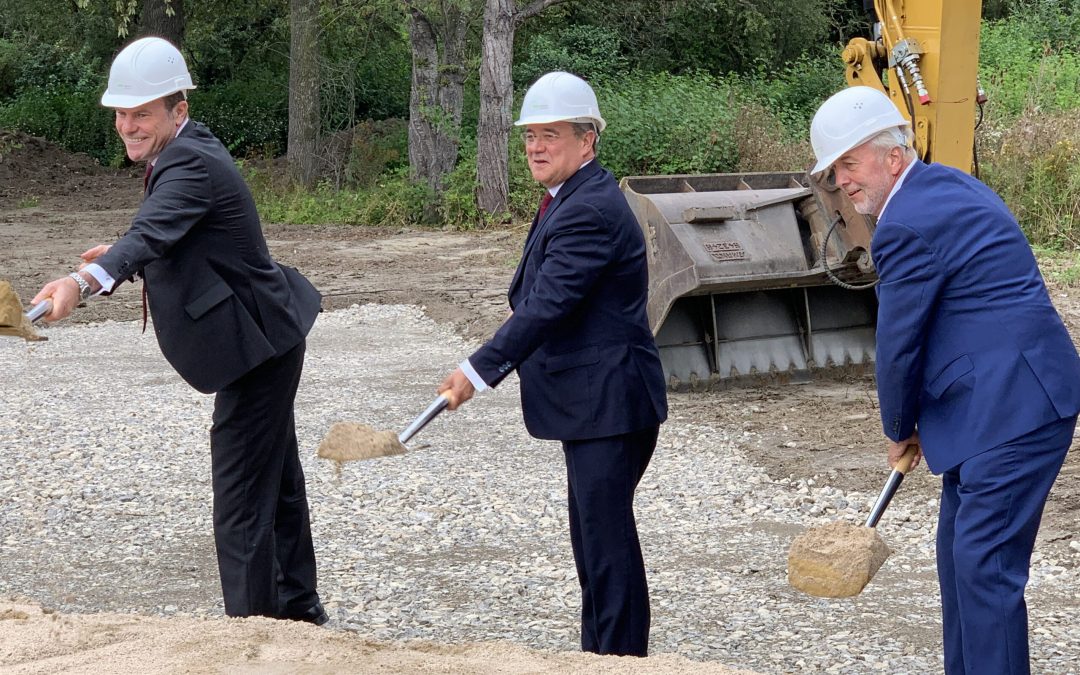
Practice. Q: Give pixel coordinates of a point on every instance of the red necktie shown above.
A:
(145, 182)
(543, 205)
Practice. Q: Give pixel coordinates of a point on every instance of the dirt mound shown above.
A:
(42, 641)
(32, 168)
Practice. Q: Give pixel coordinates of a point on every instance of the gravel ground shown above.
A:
(105, 506)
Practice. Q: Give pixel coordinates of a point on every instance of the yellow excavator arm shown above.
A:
(924, 55)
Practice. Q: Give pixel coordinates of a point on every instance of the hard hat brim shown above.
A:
(548, 119)
(121, 101)
(829, 160)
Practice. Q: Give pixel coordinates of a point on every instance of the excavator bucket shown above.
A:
(12, 319)
(752, 277)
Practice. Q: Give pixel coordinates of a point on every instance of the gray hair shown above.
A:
(895, 137)
(581, 127)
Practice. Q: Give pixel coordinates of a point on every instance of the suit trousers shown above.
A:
(991, 506)
(602, 475)
(261, 522)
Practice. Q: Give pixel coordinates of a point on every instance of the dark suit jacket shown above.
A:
(220, 304)
(969, 348)
(579, 335)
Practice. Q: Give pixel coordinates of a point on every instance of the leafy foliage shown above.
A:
(591, 52)
(1034, 164)
(663, 123)
(73, 119)
(249, 114)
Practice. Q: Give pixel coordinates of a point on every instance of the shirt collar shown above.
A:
(896, 186)
(554, 190)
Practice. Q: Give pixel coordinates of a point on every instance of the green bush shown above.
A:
(393, 201)
(10, 57)
(249, 114)
(1034, 164)
(458, 206)
(591, 52)
(665, 124)
(74, 120)
(1026, 62)
(377, 146)
(794, 93)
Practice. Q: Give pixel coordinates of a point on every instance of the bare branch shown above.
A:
(531, 10)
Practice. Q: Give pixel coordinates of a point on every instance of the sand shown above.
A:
(12, 319)
(34, 640)
(835, 560)
(349, 441)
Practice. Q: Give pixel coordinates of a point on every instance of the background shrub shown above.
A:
(661, 123)
(249, 114)
(1034, 164)
(73, 119)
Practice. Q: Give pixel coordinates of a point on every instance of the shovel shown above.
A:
(348, 441)
(838, 560)
(12, 319)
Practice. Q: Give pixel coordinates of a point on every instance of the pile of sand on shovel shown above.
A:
(835, 560)
(12, 319)
(349, 441)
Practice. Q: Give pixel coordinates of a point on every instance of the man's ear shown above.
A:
(180, 111)
(896, 158)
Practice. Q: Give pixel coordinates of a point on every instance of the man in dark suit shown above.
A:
(973, 365)
(229, 319)
(589, 368)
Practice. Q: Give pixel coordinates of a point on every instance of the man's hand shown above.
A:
(457, 388)
(90, 255)
(896, 450)
(64, 293)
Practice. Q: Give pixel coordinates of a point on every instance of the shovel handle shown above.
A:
(39, 310)
(887, 492)
(903, 465)
(436, 407)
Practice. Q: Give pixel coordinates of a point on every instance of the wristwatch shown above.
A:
(84, 285)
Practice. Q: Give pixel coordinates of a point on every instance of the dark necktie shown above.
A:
(145, 182)
(543, 205)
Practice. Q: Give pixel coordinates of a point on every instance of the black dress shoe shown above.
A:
(314, 614)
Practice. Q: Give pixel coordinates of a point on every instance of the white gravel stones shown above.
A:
(105, 505)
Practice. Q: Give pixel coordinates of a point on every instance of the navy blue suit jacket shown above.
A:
(220, 303)
(579, 334)
(969, 348)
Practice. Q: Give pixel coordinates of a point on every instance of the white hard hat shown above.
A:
(848, 119)
(146, 69)
(560, 97)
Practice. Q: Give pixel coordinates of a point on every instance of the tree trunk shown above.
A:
(303, 90)
(437, 95)
(496, 99)
(155, 19)
(501, 19)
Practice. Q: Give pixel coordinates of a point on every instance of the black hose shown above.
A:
(825, 263)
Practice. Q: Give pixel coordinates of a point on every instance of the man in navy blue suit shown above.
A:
(580, 340)
(974, 366)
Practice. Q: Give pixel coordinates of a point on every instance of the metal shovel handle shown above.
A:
(436, 407)
(39, 310)
(887, 492)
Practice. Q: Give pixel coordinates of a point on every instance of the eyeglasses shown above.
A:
(547, 138)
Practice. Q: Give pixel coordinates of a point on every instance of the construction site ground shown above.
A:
(53, 205)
